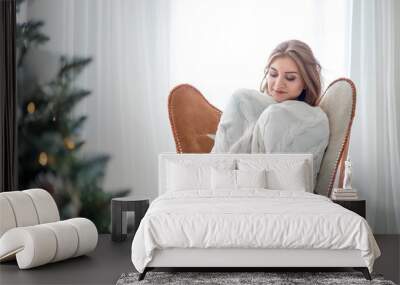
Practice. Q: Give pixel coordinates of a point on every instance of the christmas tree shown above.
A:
(49, 140)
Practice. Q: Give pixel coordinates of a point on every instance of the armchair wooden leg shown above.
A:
(364, 271)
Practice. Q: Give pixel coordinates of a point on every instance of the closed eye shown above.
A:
(287, 77)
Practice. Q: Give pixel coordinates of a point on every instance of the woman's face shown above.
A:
(284, 80)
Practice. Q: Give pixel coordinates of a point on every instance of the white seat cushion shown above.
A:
(66, 237)
(7, 220)
(45, 205)
(23, 208)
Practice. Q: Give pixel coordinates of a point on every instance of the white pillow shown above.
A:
(281, 175)
(237, 179)
(223, 179)
(188, 173)
(184, 177)
(251, 178)
(293, 178)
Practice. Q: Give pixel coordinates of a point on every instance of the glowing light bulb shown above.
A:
(43, 158)
(31, 108)
(69, 143)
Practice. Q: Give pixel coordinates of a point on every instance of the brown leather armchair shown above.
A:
(194, 121)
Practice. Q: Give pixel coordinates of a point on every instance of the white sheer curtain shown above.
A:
(375, 142)
(129, 79)
(127, 111)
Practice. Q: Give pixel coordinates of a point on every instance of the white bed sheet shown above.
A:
(251, 218)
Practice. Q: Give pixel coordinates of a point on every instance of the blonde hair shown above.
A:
(309, 67)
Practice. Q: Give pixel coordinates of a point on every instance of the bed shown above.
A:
(247, 210)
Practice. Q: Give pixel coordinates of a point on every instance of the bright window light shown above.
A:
(220, 46)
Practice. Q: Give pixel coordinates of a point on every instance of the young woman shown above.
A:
(282, 118)
(292, 72)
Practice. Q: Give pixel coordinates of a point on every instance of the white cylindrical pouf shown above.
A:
(45, 205)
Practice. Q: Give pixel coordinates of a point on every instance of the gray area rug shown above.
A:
(226, 278)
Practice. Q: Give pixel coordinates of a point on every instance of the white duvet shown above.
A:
(250, 219)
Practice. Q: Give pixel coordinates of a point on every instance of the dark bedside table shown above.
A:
(357, 206)
(119, 209)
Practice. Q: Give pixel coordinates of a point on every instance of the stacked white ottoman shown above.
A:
(31, 230)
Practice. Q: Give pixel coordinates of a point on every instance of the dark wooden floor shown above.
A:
(389, 262)
(110, 260)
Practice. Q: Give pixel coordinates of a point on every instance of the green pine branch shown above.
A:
(28, 35)
(76, 124)
(71, 68)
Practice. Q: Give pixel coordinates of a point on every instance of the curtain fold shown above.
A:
(8, 126)
(375, 142)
